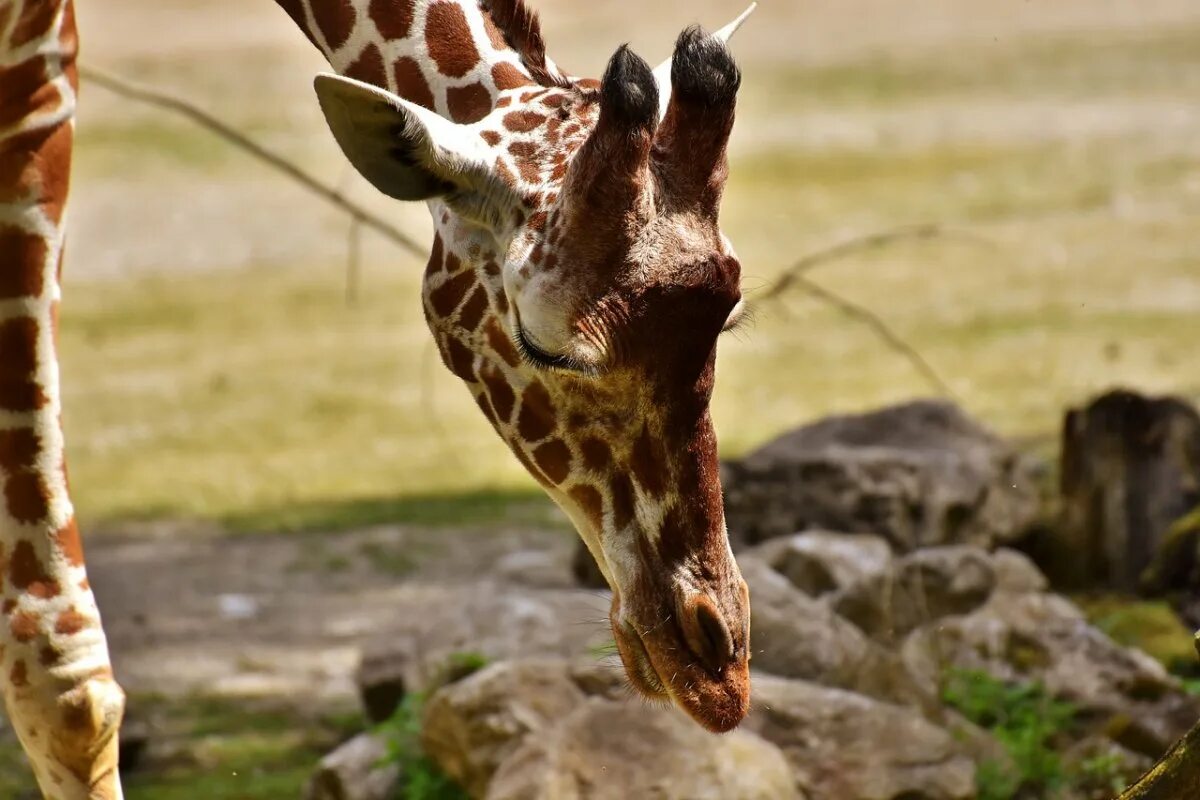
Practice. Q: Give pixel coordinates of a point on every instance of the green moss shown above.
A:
(1149, 625)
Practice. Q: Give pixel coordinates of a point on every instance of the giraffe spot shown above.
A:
(622, 495)
(596, 454)
(537, 222)
(27, 497)
(501, 302)
(491, 267)
(588, 499)
(499, 341)
(530, 467)
(530, 171)
(48, 656)
(536, 420)
(523, 149)
(559, 172)
(33, 21)
(493, 33)
(336, 19)
(523, 121)
(507, 76)
(491, 137)
(9, 605)
(648, 464)
(536, 255)
(504, 173)
(70, 622)
(393, 18)
(368, 68)
(459, 359)
(411, 83)
(445, 298)
(472, 310)
(554, 459)
(18, 676)
(499, 392)
(587, 83)
(453, 262)
(18, 448)
(551, 261)
(18, 361)
(25, 568)
(25, 263)
(486, 407)
(505, 100)
(532, 94)
(24, 90)
(69, 543)
(554, 100)
(435, 257)
(449, 40)
(469, 103)
(23, 626)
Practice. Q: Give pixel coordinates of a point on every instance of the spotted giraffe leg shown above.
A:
(58, 685)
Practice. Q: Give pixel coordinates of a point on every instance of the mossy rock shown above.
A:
(1149, 625)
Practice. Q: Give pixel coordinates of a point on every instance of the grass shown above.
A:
(260, 400)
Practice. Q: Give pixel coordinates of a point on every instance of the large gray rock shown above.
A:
(819, 562)
(918, 588)
(1034, 637)
(607, 750)
(918, 474)
(797, 636)
(845, 746)
(357, 770)
(471, 726)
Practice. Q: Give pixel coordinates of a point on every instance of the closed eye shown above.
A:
(539, 358)
(741, 317)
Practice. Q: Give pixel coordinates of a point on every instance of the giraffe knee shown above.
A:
(86, 740)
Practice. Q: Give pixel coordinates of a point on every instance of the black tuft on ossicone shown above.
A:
(703, 70)
(628, 91)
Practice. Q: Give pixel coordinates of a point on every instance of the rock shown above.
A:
(1016, 572)
(1175, 569)
(621, 750)
(918, 588)
(819, 562)
(1130, 469)
(470, 727)
(1043, 638)
(355, 771)
(796, 636)
(919, 474)
(845, 746)
(490, 620)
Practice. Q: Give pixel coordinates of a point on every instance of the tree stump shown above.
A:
(1130, 470)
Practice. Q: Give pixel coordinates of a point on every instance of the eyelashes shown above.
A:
(535, 357)
(741, 320)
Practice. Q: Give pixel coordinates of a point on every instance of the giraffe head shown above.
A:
(578, 285)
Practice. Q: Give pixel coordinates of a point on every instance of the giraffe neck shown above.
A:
(452, 56)
(58, 685)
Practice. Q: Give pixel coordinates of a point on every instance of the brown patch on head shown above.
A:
(18, 676)
(491, 137)
(523, 121)
(69, 543)
(469, 103)
(554, 459)
(537, 419)
(499, 392)
(495, 37)
(24, 90)
(459, 359)
(506, 76)
(436, 257)
(623, 503)
(453, 262)
(587, 498)
(48, 656)
(393, 18)
(505, 174)
(336, 20)
(25, 262)
(9, 606)
(23, 626)
(596, 454)
(33, 21)
(25, 568)
(19, 447)
(523, 32)
(27, 497)
(498, 340)
(368, 68)
(411, 83)
(448, 37)
(445, 298)
(648, 464)
(472, 310)
(70, 622)
(530, 467)
(18, 363)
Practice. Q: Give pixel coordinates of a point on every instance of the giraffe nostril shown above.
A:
(708, 636)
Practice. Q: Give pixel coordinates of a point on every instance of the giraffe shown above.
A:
(577, 285)
(58, 683)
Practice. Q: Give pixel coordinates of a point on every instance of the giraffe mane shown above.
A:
(522, 29)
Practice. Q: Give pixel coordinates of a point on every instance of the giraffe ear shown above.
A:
(407, 151)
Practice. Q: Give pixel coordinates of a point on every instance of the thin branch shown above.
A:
(874, 241)
(880, 327)
(225, 131)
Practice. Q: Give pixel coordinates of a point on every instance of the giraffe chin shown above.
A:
(717, 700)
